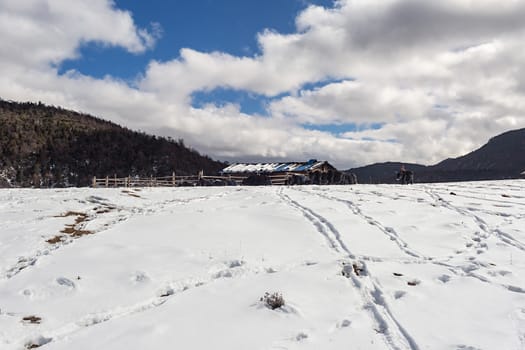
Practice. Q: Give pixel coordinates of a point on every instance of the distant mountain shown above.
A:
(503, 157)
(45, 146)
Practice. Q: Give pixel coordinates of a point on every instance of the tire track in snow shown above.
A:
(467, 270)
(388, 231)
(322, 225)
(396, 336)
(462, 271)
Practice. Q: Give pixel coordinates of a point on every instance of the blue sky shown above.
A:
(351, 81)
(229, 26)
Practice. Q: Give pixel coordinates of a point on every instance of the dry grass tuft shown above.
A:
(358, 269)
(32, 319)
(273, 301)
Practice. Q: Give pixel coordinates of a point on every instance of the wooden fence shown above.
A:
(174, 181)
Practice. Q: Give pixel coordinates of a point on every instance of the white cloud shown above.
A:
(342, 102)
(37, 33)
(440, 77)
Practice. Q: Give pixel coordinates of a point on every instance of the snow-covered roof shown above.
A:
(272, 167)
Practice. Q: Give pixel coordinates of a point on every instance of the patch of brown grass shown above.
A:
(80, 233)
(55, 240)
(81, 217)
(75, 232)
(73, 229)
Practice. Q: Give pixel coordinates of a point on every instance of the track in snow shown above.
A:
(395, 335)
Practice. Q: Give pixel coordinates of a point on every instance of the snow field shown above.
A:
(429, 266)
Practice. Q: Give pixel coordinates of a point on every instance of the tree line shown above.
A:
(46, 146)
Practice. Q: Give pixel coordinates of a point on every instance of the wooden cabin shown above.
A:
(288, 173)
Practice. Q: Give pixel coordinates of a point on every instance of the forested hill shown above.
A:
(45, 146)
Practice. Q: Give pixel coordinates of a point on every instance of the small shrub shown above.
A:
(273, 301)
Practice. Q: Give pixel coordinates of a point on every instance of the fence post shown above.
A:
(94, 181)
(107, 181)
(173, 179)
(114, 180)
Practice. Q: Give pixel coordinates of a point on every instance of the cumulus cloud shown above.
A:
(439, 78)
(342, 102)
(38, 33)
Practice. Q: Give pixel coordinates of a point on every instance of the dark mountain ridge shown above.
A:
(45, 146)
(502, 157)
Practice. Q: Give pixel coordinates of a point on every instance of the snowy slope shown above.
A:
(439, 266)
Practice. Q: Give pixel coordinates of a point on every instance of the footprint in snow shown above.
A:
(466, 347)
(66, 282)
(444, 278)
(37, 342)
(500, 273)
(223, 274)
(139, 277)
(469, 268)
(516, 289)
(234, 263)
(301, 336)
(344, 323)
(398, 294)
(166, 292)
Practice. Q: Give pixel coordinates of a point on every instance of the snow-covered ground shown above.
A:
(437, 266)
